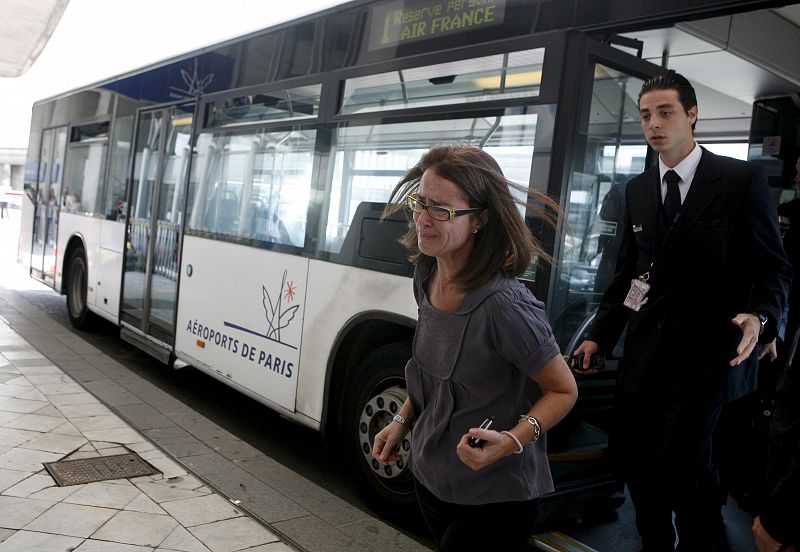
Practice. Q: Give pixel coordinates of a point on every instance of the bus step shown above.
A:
(555, 541)
(146, 343)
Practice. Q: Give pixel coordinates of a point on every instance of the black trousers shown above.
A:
(664, 451)
(505, 526)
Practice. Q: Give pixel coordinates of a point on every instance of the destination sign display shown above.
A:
(403, 21)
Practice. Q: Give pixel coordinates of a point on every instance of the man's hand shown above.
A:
(751, 327)
(588, 348)
(770, 349)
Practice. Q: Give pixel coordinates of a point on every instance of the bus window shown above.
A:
(86, 161)
(370, 160)
(278, 105)
(254, 186)
(114, 208)
(502, 76)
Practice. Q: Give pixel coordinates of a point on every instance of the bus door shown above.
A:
(608, 150)
(48, 199)
(154, 226)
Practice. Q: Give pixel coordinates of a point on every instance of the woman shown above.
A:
(483, 349)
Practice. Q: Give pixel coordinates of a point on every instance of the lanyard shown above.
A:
(670, 233)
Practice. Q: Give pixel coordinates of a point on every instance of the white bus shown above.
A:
(224, 207)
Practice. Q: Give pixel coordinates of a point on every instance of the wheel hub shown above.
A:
(377, 413)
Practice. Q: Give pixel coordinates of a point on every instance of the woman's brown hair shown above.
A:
(504, 243)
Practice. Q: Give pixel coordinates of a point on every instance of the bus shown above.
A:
(224, 207)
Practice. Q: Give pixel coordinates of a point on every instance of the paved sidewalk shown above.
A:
(45, 416)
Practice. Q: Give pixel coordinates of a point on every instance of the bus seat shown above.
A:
(268, 227)
(372, 242)
(227, 213)
(248, 226)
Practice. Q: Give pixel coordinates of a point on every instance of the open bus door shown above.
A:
(602, 126)
(47, 202)
(154, 227)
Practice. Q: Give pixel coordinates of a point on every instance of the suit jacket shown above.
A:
(723, 257)
(789, 219)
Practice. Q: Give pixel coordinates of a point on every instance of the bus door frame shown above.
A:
(51, 211)
(584, 52)
(140, 324)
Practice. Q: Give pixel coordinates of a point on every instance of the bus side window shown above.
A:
(86, 161)
(371, 160)
(363, 172)
(122, 137)
(254, 186)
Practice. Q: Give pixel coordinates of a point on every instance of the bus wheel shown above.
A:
(374, 394)
(77, 280)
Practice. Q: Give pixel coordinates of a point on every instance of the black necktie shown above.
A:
(672, 202)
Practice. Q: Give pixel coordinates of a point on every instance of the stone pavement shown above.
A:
(45, 416)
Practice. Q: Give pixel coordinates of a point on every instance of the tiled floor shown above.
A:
(45, 416)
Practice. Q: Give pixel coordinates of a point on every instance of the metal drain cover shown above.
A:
(88, 470)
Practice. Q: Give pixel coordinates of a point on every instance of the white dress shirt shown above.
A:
(685, 169)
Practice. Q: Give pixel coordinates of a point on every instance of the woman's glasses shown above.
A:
(437, 212)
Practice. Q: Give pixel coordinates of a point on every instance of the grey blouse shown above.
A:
(468, 364)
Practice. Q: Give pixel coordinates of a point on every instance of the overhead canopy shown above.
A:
(25, 28)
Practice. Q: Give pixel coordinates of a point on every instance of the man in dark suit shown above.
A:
(701, 279)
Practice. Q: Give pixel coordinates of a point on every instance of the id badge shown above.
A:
(637, 295)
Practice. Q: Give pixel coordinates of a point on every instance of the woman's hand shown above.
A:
(384, 449)
(495, 446)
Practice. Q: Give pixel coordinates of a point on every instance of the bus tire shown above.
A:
(374, 393)
(76, 287)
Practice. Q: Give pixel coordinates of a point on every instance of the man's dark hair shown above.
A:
(672, 81)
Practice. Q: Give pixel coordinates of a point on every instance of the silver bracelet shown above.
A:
(514, 437)
(402, 420)
(537, 428)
